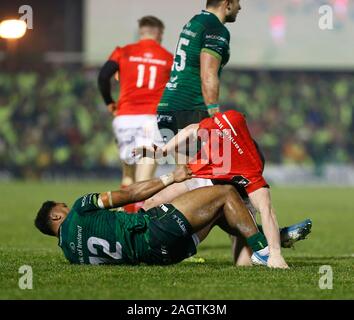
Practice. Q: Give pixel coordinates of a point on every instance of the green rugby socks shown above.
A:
(258, 243)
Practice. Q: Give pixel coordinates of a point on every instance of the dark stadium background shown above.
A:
(53, 121)
(294, 82)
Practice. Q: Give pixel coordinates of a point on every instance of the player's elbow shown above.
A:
(103, 77)
(107, 71)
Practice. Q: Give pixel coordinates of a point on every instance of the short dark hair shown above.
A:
(214, 3)
(151, 21)
(42, 221)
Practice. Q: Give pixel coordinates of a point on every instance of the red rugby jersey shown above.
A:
(230, 153)
(144, 70)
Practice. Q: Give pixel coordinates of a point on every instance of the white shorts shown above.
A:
(196, 183)
(135, 131)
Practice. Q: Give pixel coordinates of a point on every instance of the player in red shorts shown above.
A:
(228, 155)
(144, 69)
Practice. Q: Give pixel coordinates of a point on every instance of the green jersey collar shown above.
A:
(63, 228)
(206, 12)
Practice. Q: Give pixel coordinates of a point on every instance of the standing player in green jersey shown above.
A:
(203, 49)
(90, 233)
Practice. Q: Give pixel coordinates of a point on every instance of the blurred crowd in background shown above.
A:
(58, 122)
(297, 117)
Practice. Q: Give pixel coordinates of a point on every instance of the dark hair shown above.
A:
(151, 21)
(42, 221)
(214, 3)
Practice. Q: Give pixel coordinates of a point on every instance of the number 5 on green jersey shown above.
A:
(182, 54)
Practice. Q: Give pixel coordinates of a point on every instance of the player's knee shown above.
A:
(222, 192)
(228, 189)
(150, 203)
(231, 192)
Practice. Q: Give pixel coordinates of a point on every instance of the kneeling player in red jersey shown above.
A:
(229, 156)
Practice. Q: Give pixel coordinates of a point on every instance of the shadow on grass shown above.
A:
(208, 263)
(301, 261)
(319, 260)
(221, 246)
(57, 262)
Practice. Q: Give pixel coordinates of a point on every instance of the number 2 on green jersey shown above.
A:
(93, 243)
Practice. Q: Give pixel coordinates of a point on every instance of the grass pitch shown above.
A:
(330, 243)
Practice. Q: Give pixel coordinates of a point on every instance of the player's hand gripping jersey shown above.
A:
(144, 69)
(230, 153)
(204, 32)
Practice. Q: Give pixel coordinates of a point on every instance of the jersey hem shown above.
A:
(173, 109)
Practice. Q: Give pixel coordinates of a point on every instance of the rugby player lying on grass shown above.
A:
(90, 233)
(242, 166)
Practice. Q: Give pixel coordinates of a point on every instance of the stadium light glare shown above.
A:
(12, 29)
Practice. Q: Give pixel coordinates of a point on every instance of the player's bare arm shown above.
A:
(142, 190)
(209, 73)
(188, 133)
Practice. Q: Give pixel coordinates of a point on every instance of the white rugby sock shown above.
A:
(264, 251)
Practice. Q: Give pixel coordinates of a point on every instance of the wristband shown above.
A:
(167, 179)
(100, 203)
(105, 200)
(110, 199)
(213, 106)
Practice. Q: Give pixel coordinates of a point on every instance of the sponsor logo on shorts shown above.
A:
(180, 223)
(164, 208)
(240, 180)
(165, 118)
(164, 250)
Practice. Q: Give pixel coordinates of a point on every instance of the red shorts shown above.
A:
(229, 153)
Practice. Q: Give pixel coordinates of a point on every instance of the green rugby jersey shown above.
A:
(204, 32)
(90, 235)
